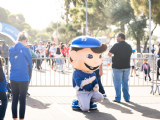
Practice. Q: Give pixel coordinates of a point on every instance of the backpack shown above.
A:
(145, 67)
(1, 72)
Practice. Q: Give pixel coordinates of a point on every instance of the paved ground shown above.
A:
(54, 103)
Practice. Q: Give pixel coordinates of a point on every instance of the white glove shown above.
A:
(88, 81)
(96, 88)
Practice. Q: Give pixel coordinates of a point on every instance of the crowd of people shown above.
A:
(50, 50)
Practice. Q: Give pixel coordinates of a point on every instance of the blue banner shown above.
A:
(9, 31)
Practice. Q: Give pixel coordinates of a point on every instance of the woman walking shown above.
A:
(3, 90)
(21, 61)
(59, 61)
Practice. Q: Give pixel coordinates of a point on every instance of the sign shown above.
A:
(9, 31)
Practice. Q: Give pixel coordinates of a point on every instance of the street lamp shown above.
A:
(149, 26)
(86, 1)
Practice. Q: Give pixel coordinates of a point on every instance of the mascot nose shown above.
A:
(96, 61)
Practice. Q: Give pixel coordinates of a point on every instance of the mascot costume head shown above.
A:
(86, 53)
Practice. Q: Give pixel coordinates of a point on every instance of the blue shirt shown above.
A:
(34, 48)
(20, 59)
(3, 85)
(79, 76)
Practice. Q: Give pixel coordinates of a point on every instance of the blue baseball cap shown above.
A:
(133, 51)
(85, 42)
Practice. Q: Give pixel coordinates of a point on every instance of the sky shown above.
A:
(39, 13)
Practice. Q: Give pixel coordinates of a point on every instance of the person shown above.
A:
(20, 59)
(86, 57)
(63, 51)
(67, 50)
(133, 63)
(153, 49)
(157, 53)
(41, 49)
(3, 90)
(121, 67)
(146, 68)
(48, 48)
(33, 55)
(34, 46)
(4, 52)
(59, 61)
(52, 50)
(99, 73)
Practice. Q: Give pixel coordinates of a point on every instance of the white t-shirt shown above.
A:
(52, 50)
(132, 57)
(58, 55)
(41, 49)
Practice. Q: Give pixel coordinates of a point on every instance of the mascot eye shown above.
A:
(89, 56)
(100, 56)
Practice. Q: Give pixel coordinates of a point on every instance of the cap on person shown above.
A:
(35, 42)
(54, 43)
(159, 44)
(85, 42)
(133, 51)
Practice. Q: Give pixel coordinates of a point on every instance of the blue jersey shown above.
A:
(79, 76)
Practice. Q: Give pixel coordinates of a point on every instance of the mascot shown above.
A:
(86, 57)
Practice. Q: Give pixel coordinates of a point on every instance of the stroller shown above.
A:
(9, 91)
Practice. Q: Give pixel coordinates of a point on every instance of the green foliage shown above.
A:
(18, 21)
(142, 6)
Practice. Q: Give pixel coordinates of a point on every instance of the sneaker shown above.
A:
(28, 94)
(104, 95)
(116, 101)
(75, 105)
(93, 106)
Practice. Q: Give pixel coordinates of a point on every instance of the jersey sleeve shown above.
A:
(77, 79)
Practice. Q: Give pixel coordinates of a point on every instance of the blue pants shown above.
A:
(3, 106)
(101, 89)
(121, 76)
(19, 92)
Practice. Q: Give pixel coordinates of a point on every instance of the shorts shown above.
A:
(133, 67)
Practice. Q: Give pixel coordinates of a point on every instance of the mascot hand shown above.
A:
(88, 81)
(96, 88)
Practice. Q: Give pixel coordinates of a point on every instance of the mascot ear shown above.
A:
(73, 55)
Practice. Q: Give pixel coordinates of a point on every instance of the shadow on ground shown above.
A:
(115, 106)
(146, 111)
(97, 115)
(34, 103)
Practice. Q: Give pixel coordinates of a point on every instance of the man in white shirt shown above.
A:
(52, 50)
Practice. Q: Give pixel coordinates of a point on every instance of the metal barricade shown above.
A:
(156, 82)
(43, 75)
(135, 81)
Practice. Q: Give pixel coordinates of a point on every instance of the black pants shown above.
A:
(19, 91)
(101, 89)
(3, 106)
(48, 60)
(147, 73)
(53, 60)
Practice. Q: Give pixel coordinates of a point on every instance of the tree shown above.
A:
(142, 6)
(3, 15)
